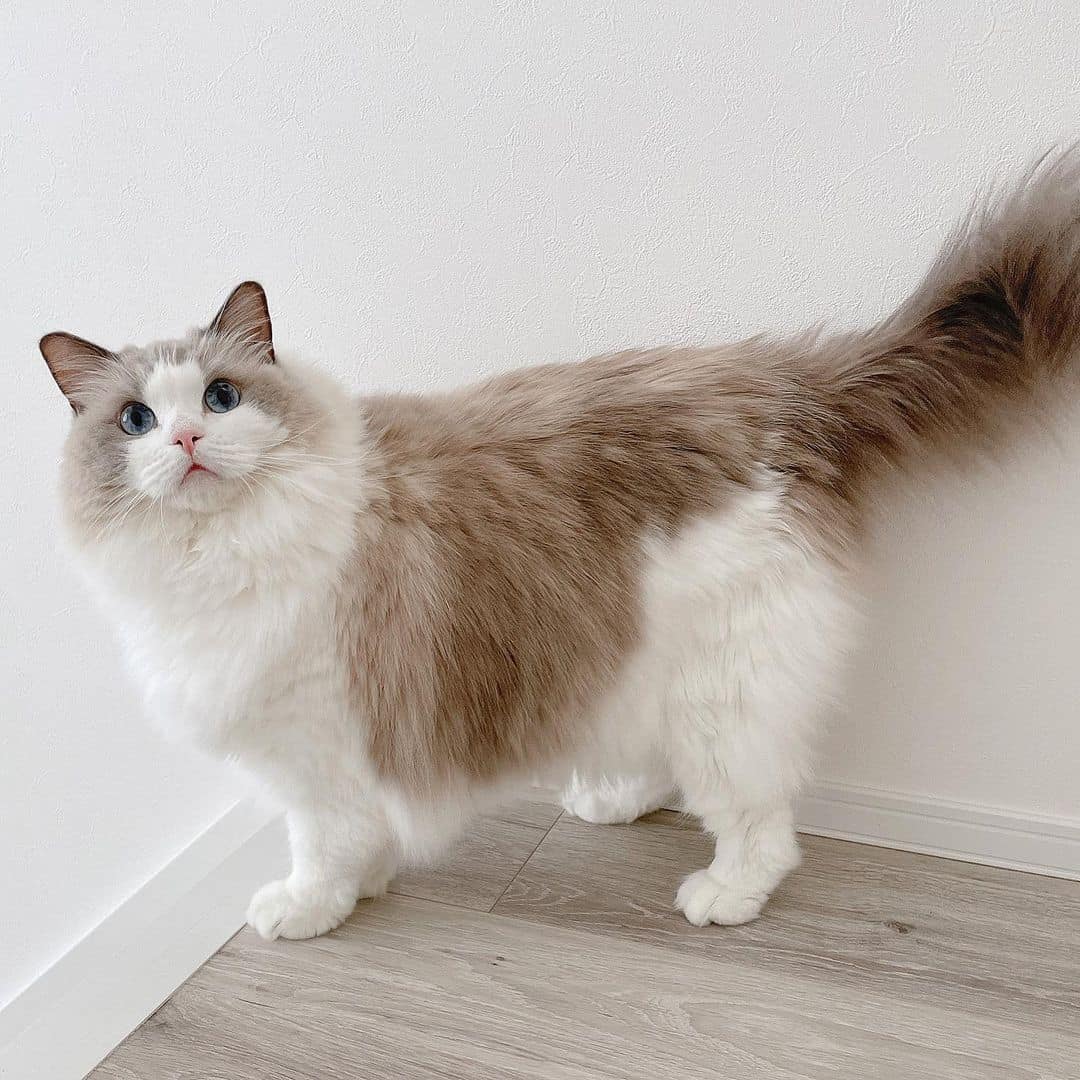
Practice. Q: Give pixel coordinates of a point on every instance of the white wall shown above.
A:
(967, 683)
(435, 191)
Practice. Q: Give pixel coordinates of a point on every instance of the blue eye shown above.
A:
(221, 396)
(137, 418)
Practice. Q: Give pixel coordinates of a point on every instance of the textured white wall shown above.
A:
(435, 191)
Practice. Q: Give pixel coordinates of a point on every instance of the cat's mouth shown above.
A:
(197, 468)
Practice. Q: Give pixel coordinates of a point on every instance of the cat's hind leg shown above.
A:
(744, 703)
(755, 850)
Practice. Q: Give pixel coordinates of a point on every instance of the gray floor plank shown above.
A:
(479, 868)
(530, 806)
(411, 988)
(1006, 943)
(868, 963)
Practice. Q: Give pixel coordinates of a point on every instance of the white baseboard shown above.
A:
(67, 1020)
(1038, 845)
(99, 991)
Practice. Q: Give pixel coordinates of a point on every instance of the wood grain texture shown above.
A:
(533, 806)
(478, 870)
(1005, 943)
(869, 963)
(476, 873)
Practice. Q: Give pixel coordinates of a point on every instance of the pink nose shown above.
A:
(187, 439)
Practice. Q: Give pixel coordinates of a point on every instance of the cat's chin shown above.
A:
(203, 491)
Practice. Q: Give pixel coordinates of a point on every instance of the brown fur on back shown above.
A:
(498, 566)
(500, 560)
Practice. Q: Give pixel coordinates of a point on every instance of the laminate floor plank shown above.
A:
(869, 964)
(530, 806)
(478, 869)
(1006, 943)
(411, 988)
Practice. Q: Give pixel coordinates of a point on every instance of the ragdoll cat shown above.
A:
(630, 573)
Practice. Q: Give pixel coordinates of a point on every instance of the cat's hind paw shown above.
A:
(704, 899)
(614, 800)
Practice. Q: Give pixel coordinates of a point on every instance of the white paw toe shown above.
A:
(276, 912)
(704, 899)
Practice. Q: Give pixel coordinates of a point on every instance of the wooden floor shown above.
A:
(549, 948)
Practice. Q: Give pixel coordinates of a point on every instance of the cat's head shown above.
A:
(185, 427)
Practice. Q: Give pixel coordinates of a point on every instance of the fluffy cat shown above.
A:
(630, 573)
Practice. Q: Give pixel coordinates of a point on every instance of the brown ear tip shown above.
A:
(52, 346)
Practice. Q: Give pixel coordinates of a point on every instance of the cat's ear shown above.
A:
(74, 363)
(246, 317)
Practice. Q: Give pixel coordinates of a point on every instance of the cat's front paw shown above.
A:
(704, 899)
(278, 910)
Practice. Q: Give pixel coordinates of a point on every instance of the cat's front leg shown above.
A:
(339, 855)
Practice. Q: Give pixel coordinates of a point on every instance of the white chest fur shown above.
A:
(230, 629)
(220, 670)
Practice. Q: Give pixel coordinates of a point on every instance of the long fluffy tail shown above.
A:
(998, 311)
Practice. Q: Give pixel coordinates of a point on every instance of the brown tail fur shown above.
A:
(998, 311)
